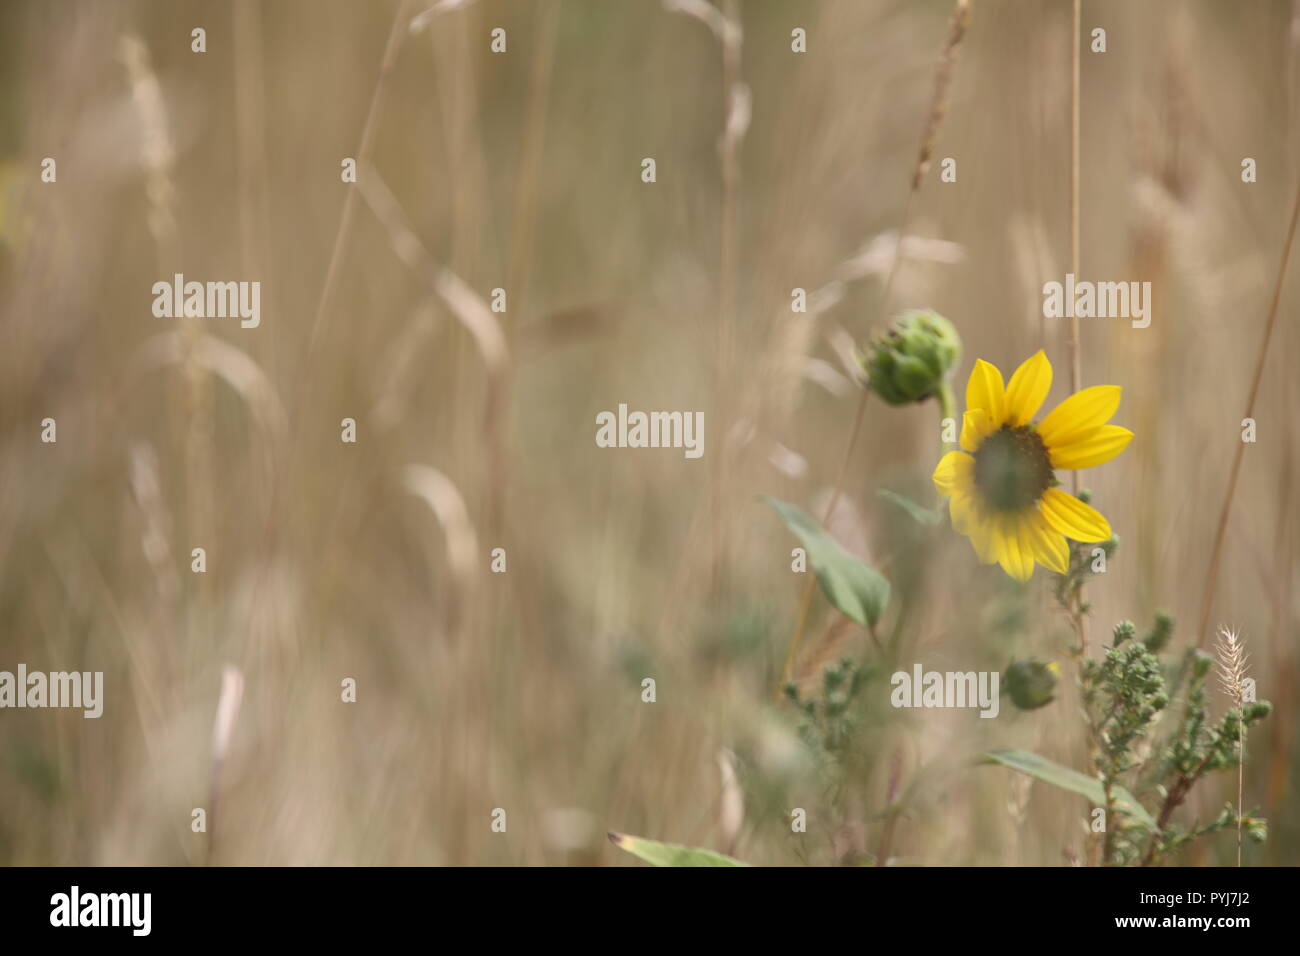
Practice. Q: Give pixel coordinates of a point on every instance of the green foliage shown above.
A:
(858, 591)
(1125, 691)
(1123, 696)
(1197, 747)
(843, 730)
(925, 517)
(670, 854)
(1158, 636)
(830, 720)
(1048, 771)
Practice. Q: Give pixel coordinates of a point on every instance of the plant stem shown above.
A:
(947, 407)
(1241, 775)
(805, 602)
(1212, 574)
(1177, 794)
(1072, 601)
(1108, 845)
(1076, 363)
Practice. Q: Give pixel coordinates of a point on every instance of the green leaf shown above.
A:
(922, 516)
(858, 591)
(1048, 771)
(670, 854)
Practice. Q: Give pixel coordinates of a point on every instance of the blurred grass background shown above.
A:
(521, 170)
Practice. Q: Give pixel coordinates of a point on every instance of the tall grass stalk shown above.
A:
(1216, 551)
(1232, 678)
(957, 26)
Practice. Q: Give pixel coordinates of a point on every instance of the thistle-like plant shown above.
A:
(1123, 695)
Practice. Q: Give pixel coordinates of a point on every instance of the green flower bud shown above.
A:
(1160, 632)
(913, 360)
(1124, 631)
(1201, 663)
(1258, 711)
(1230, 728)
(1031, 684)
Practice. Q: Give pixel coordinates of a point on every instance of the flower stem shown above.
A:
(947, 407)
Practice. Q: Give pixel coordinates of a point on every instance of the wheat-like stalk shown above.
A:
(1232, 678)
(957, 25)
(1232, 664)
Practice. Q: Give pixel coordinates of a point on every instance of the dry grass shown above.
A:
(523, 690)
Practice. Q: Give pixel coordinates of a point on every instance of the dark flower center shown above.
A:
(1012, 468)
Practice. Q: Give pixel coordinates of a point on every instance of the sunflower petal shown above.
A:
(984, 390)
(983, 539)
(1083, 412)
(1095, 448)
(1072, 517)
(1050, 549)
(1015, 559)
(975, 427)
(1028, 388)
(955, 470)
(961, 509)
(1027, 547)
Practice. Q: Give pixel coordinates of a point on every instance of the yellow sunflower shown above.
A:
(1001, 488)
